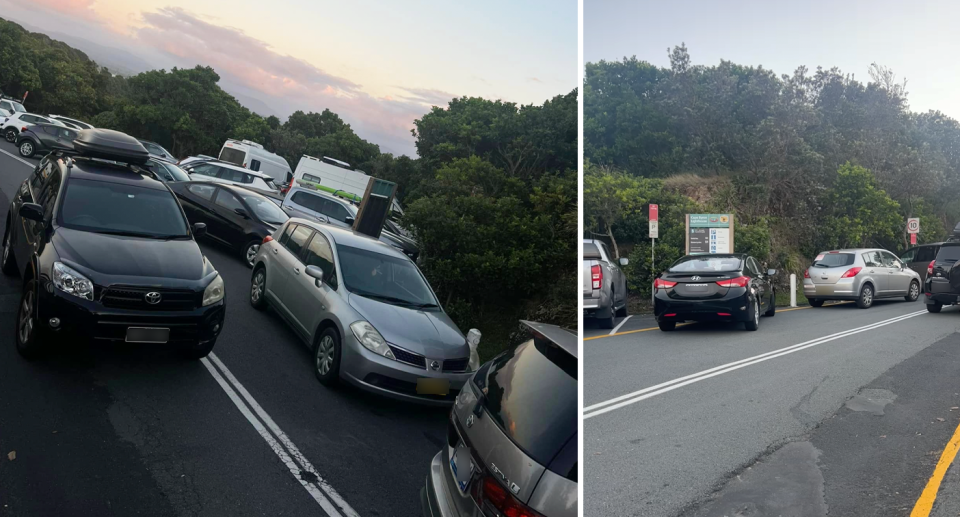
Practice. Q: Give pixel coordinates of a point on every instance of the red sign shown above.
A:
(653, 212)
(913, 238)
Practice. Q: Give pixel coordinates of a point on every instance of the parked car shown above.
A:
(919, 258)
(365, 309)
(716, 287)
(9, 106)
(251, 155)
(334, 176)
(15, 123)
(72, 123)
(236, 217)
(223, 172)
(604, 284)
(862, 275)
(197, 158)
(168, 171)
(314, 204)
(942, 285)
(43, 138)
(512, 441)
(105, 252)
(157, 151)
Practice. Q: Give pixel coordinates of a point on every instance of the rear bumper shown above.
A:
(597, 306)
(734, 306)
(937, 291)
(844, 289)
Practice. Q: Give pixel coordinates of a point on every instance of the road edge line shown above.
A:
(19, 159)
(924, 504)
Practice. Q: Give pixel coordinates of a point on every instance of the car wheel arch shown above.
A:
(326, 324)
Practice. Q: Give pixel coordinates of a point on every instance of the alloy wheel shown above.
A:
(256, 290)
(26, 318)
(867, 296)
(6, 248)
(26, 149)
(325, 353)
(914, 291)
(252, 253)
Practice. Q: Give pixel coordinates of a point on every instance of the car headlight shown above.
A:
(70, 281)
(371, 339)
(214, 292)
(473, 341)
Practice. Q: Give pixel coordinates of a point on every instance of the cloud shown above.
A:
(289, 82)
(534, 80)
(82, 9)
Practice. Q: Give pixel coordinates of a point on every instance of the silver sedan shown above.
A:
(862, 275)
(365, 309)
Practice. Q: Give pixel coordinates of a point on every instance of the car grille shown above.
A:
(409, 357)
(133, 298)
(456, 365)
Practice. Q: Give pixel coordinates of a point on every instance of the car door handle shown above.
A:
(296, 270)
(275, 251)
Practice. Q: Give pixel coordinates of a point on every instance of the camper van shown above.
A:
(251, 155)
(336, 177)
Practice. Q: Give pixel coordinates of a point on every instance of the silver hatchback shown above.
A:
(862, 275)
(366, 311)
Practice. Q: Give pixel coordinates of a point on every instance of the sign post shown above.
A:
(654, 234)
(913, 228)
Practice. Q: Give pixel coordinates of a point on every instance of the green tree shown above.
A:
(861, 214)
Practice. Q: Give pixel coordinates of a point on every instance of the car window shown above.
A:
(227, 200)
(249, 179)
(835, 259)
(926, 253)
(383, 277)
(308, 201)
(705, 263)
(271, 185)
(255, 165)
(889, 260)
(298, 239)
(202, 191)
(232, 175)
(68, 134)
(234, 156)
(19, 107)
(206, 169)
(6, 106)
(107, 207)
(320, 254)
(335, 210)
(174, 171)
(48, 197)
(160, 171)
(28, 118)
(51, 130)
(948, 254)
(265, 209)
(872, 259)
(909, 256)
(286, 234)
(311, 177)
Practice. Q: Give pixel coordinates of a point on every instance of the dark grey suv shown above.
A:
(43, 138)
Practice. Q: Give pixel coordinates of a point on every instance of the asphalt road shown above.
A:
(126, 430)
(712, 420)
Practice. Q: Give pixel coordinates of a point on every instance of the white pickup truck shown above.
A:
(604, 284)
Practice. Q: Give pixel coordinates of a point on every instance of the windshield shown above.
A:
(705, 263)
(385, 278)
(103, 207)
(271, 184)
(19, 107)
(265, 209)
(234, 156)
(834, 260)
(171, 172)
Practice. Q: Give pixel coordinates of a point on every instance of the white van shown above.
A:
(251, 155)
(336, 177)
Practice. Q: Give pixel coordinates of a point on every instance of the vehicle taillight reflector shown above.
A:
(492, 494)
(806, 273)
(663, 284)
(740, 281)
(24, 128)
(266, 240)
(672, 314)
(930, 267)
(852, 272)
(723, 314)
(596, 276)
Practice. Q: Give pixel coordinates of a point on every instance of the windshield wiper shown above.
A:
(122, 233)
(384, 298)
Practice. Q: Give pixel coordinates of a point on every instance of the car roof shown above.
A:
(350, 237)
(229, 165)
(563, 338)
(100, 170)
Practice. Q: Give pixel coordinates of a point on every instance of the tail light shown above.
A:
(740, 281)
(24, 128)
(806, 273)
(852, 272)
(596, 276)
(491, 494)
(663, 284)
(266, 240)
(930, 267)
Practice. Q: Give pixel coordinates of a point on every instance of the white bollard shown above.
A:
(793, 290)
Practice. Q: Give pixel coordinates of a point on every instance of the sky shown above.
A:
(378, 64)
(918, 39)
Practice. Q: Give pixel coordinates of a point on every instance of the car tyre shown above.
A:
(934, 307)
(27, 149)
(622, 313)
(198, 351)
(28, 336)
(8, 264)
(10, 134)
(772, 311)
(258, 286)
(326, 357)
(815, 302)
(607, 323)
(250, 250)
(754, 322)
(914, 292)
(667, 326)
(865, 300)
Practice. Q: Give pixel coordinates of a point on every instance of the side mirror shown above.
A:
(771, 272)
(199, 229)
(316, 273)
(350, 221)
(31, 211)
(624, 261)
(241, 212)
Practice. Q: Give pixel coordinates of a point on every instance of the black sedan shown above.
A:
(729, 287)
(43, 138)
(235, 216)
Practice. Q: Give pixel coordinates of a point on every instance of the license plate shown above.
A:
(461, 464)
(147, 335)
(433, 386)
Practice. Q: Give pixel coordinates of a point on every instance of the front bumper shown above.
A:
(377, 374)
(91, 320)
(734, 306)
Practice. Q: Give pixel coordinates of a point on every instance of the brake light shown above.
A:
(490, 493)
(740, 281)
(852, 272)
(596, 276)
(266, 240)
(663, 284)
(723, 314)
(806, 273)
(24, 128)
(930, 267)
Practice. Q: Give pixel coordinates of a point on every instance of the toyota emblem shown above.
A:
(435, 365)
(470, 420)
(695, 278)
(152, 298)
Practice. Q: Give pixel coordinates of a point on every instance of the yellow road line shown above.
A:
(929, 495)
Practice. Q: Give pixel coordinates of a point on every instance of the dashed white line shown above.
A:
(615, 329)
(640, 395)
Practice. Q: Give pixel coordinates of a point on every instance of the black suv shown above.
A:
(43, 138)
(942, 286)
(106, 252)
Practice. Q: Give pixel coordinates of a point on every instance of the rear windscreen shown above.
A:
(949, 253)
(233, 156)
(531, 392)
(706, 263)
(834, 260)
(590, 251)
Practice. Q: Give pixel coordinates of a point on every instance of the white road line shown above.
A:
(277, 448)
(293, 450)
(615, 329)
(637, 396)
(15, 157)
